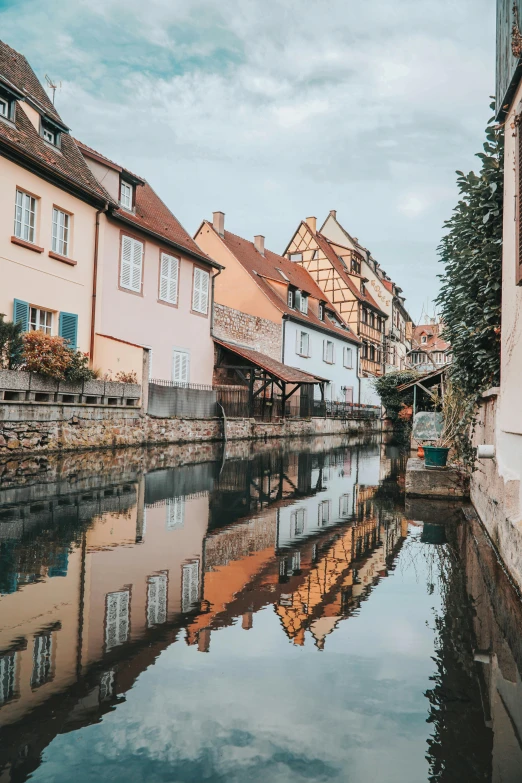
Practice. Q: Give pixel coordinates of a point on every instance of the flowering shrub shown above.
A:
(126, 377)
(46, 355)
(52, 357)
(11, 344)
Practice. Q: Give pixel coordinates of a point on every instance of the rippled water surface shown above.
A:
(274, 613)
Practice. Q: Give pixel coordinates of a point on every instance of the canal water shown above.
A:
(272, 613)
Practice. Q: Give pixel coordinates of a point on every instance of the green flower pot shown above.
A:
(435, 456)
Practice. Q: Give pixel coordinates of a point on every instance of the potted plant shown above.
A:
(436, 454)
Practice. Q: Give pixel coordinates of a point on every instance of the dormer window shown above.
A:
(4, 107)
(290, 298)
(126, 195)
(321, 311)
(301, 302)
(424, 339)
(7, 106)
(50, 133)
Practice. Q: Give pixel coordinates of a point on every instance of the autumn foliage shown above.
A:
(52, 357)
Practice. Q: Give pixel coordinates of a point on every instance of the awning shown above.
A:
(271, 366)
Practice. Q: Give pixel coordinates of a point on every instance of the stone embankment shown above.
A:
(27, 427)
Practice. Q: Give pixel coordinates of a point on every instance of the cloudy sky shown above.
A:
(274, 110)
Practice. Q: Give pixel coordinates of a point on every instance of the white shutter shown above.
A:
(169, 274)
(180, 366)
(117, 619)
(325, 357)
(200, 291)
(137, 262)
(189, 586)
(126, 262)
(156, 600)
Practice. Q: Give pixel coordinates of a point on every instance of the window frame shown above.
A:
(67, 229)
(290, 299)
(200, 313)
(7, 103)
(300, 344)
(38, 310)
(348, 351)
(296, 253)
(32, 198)
(326, 344)
(184, 353)
(124, 183)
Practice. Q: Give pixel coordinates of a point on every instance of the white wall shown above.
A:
(368, 394)
(336, 373)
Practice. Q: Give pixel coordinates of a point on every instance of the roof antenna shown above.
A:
(53, 85)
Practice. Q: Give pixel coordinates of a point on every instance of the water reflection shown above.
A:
(111, 564)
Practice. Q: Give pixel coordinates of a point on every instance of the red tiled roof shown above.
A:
(21, 137)
(270, 267)
(338, 265)
(434, 341)
(388, 284)
(151, 213)
(282, 371)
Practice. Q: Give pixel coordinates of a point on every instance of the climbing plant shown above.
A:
(471, 251)
(386, 387)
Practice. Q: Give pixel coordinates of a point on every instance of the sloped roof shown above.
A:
(282, 371)
(150, 213)
(269, 267)
(21, 139)
(434, 342)
(338, 265)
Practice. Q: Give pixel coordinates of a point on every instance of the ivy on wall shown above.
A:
(471, 251)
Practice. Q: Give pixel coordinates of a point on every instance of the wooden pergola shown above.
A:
(426, 383)
(261, 374)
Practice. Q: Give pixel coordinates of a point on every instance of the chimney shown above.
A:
(333, 213)
(312, 223)
(218, 221)
(204, 634)
(248, 621)
(259, 242)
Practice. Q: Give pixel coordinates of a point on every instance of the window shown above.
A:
(324, 511)
(200, 291)
(348, 358)
(126, 195)
(296, 562)
(4, 107)
(49, 135)
(364, 315)
(321, 311)
(424, 339)
(60, 243)
(189, 586)
(40, 320)
(356, 266)
(25, 216)
(372, 353)
(42, 662)
(175, 513)
(303, 304)
(180, 366)
(295, 256)
(348, 395)
(116, 619)
(297, 521)
(328, 351)
(169, 274)
(8, 667)
(283, 275)
(303, 344)
(344, 506)
(156, 599)
(290, 298)
(131, 264)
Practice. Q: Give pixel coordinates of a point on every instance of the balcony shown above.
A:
(365, 330)
(371, 367)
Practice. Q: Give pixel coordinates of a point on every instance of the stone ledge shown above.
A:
(493, 392)
(422, 482)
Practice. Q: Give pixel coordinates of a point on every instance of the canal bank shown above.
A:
(32, 427)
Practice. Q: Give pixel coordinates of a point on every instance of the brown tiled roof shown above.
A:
(151, 213)
(282, 371)
(434, 341)
(22, 139)
(264, 268)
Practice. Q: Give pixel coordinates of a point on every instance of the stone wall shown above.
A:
(258, 333)
(496, 497)
(35, 428)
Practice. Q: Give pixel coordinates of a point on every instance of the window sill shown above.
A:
(169, 304)
(63, 259)
(326, 362)
(28, 245)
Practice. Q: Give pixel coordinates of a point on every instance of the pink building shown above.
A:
(153, 284)
(48, 204)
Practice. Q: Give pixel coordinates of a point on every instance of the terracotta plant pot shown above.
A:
(420, 452)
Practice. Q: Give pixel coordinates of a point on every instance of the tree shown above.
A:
(11, 344)
(471, 251)
(386, 387)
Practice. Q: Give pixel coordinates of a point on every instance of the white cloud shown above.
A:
(365, 107)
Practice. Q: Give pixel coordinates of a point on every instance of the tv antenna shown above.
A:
(53, 85)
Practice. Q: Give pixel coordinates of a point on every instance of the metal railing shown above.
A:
(181, 400)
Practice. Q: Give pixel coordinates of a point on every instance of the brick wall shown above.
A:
(258, 333)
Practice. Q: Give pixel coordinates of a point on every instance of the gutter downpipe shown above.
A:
(212, 335)
(95, 281)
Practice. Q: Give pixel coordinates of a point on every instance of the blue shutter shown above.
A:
(21, 314)
(68, 328)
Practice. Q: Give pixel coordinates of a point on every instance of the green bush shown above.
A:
(386, 387)
(11, 344)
